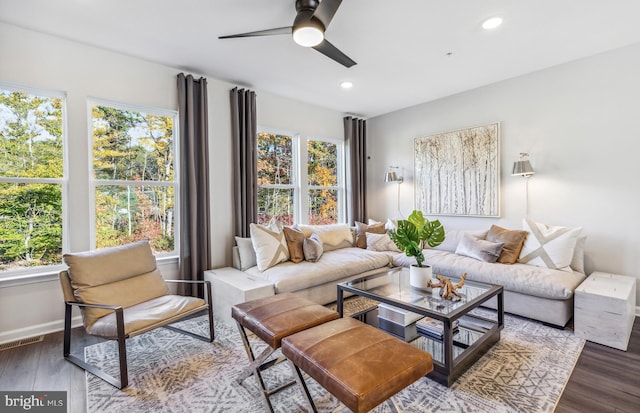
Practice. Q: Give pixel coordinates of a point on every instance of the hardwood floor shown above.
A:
(604, 379)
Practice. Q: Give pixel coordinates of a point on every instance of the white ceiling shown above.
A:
(401, 46)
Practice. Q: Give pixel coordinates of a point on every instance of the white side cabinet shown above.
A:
(605, 309)
(231, 286)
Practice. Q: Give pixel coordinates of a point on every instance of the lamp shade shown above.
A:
(390, 176)
(522, 168)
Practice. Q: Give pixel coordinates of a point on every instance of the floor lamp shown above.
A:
(392, 176)
(523, 168)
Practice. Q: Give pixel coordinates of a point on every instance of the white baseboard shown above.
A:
(638, 311)
(37, 330)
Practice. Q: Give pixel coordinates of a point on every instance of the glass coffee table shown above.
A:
(464, 335)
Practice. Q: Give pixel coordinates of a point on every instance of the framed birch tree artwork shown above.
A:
(458, 172)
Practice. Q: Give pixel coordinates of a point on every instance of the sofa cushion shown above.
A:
(332, 266)
(452, 239)
(333, 236)
(513, 241)
(548, 246)
(295, 242)
(362, 229)
(479, 249)
(270, 246)
(312, 248)
(520, 278)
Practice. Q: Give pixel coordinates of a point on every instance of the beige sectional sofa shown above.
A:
(539, 293)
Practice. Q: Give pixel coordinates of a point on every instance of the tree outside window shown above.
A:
(133, 176)
(322, 165)
(276, 180)
(284, 188)
(31, 178)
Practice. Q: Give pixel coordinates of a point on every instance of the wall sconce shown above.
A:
(523, 168)
(392, 176)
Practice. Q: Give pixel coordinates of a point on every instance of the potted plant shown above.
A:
(412, 236)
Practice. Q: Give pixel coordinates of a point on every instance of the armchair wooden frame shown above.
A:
(119, 311)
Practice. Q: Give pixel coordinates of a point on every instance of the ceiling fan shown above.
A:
(308, 28)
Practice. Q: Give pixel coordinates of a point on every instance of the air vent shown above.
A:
(23, 342)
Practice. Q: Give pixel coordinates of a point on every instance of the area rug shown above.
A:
(171, 372)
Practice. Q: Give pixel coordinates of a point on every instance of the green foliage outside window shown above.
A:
(30, 153)
(133, 156)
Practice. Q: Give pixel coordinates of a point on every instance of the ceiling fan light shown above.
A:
(492, 23)
(308, 36)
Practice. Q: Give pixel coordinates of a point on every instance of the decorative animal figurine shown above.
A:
(447, 287)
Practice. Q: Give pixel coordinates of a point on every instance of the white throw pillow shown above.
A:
(333, 236)
(548, 246)
(380, 242)
(246, 252)
(269, 244)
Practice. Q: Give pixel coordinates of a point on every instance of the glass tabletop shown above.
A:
(393, 286)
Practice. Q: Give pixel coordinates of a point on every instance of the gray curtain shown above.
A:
(355, 136)
(245, 175)
(195, 232)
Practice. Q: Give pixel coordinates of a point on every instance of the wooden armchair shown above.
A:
(121, 294)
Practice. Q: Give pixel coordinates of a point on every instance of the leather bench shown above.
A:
(271, 319)
(357, 363)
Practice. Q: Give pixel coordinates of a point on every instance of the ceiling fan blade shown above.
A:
(326, 10)
(268, 32)
(332, 52)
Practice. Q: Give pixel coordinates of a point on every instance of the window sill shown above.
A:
(51, 274)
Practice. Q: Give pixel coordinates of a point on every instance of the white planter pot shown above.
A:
(419, 276)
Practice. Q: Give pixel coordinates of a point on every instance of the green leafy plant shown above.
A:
(415, 233)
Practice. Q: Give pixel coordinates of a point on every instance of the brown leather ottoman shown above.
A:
(272, 319)
(357, 363)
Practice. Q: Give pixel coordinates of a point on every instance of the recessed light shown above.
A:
(492, 23)
(346, 85)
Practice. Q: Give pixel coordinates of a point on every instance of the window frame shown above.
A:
(295, 176)
(340, 180)
(300, 185)
(95, 183)
(14, 277)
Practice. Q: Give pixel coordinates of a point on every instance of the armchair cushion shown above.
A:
(124, 275)
(148, 315)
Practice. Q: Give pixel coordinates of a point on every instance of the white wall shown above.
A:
(37, 60)
(579, 122)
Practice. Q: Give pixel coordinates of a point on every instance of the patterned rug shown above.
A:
(171, 372)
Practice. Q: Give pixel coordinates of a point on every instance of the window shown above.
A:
(134, 184)
(32, 178)
(291, 191)
(324, 192)
(276, 179)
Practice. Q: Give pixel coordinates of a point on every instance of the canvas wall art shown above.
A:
(458, 172)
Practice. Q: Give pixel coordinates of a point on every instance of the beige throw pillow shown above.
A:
(295, 241)
(513, 241)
